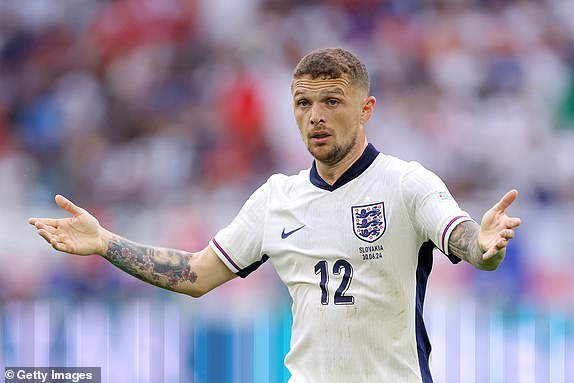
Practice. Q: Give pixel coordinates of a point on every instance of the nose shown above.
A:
(316, 115)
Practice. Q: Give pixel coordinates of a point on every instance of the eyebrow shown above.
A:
(335, 90)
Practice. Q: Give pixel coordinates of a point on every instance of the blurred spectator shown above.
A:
(179, 102)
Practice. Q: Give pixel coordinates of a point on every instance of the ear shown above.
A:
(367, 109)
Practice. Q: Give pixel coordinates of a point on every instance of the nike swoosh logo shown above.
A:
(285, 235)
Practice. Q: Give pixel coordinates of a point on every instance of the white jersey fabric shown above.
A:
(355, 257)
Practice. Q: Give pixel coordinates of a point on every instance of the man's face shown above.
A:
(330, 114)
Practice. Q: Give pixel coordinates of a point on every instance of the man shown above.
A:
(351, 238)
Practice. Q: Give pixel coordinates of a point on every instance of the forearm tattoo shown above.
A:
(463, 242)
(162, 267)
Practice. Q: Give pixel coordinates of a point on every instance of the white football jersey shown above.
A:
(355, 257)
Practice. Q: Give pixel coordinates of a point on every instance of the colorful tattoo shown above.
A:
(162, 267)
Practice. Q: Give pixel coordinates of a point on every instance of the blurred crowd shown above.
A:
(161, 117)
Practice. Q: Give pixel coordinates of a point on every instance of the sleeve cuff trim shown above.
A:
(223, 253)
(449, 228)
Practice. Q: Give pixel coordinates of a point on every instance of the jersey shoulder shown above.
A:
(394, 166)
(283, 182)
(407, 178)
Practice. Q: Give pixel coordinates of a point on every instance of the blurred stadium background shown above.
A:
(161, 117)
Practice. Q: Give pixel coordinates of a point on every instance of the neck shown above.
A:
(331, 173)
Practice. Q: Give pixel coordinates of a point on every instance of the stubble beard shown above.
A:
(335, 155)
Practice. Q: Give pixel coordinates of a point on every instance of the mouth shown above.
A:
(319, 137)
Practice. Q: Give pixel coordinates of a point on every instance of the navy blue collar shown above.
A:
(350, 174)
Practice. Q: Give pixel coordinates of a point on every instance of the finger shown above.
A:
(499, 246)
(49, 237)
(50, 229)
(513, 222)
(506, 200)
(489, 254)
(46, 221)
(507, 234)
(58, 245)
(67, 205)
(53, 240)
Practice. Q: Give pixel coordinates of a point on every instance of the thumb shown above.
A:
(67, 205)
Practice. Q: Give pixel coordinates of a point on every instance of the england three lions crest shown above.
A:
(369, 222)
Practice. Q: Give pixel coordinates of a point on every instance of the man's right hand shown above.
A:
(79, 234)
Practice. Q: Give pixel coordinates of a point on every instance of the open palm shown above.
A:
(79, 234)
(497, 228)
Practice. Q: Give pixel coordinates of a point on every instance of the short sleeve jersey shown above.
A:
(355, 257)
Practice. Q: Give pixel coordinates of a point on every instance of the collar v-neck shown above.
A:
(358, 167)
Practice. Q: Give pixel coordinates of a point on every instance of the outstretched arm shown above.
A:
(189, 273)
(484, 246)
(81, 234)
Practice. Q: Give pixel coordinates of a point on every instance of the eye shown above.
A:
(333, 102)
(303, 102)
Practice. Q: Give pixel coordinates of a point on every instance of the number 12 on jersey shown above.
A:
(340, 265)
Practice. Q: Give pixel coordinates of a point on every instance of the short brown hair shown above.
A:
(333, 63)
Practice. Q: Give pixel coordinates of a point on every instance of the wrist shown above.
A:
(105, 238)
